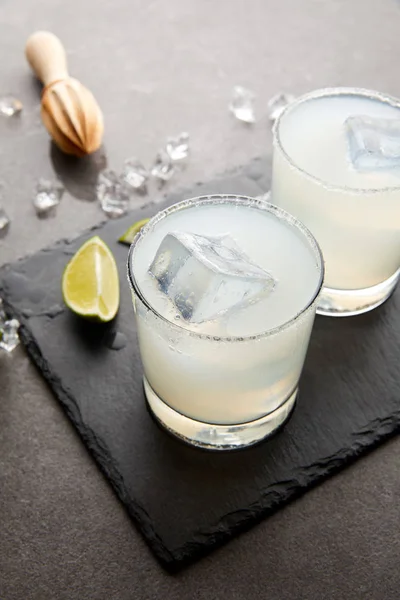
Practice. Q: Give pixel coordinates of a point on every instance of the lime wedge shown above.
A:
(130, 233)
(90, 284)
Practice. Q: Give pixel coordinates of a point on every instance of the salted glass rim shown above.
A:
(322, 93)
(221, 199)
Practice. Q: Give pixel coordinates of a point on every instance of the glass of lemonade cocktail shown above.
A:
(336, 167)
(225, 291)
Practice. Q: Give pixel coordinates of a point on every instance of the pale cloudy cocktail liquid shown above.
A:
(224, 379)
(354, 213)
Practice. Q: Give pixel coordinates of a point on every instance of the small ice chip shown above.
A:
(373, 143)
(4, 222)
(10, 106)
(135, 174)
(48, 196)
(265, 197)
(207, 276)
(163, 169)
(113, 193)
(278, 103)
(3, 316)
(242, 104)
(178, 148)
(9, 338)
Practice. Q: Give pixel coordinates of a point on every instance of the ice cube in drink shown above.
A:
(206, 277)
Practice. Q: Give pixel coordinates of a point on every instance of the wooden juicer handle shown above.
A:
(70, 112)
(46, 56)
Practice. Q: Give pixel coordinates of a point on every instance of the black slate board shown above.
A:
(187, 501)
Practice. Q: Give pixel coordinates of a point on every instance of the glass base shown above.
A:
(346, 303)
(217, 437)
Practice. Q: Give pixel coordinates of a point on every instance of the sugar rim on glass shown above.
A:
(243, 201)
(323, 93)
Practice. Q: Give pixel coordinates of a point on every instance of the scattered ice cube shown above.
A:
(207, 276)
(113, 193)
(4, 222)
(135, 174)
(10, 106)
(163, 169)
(373, 143)
(242, 104)
(9, 338)
(3, 316)
(178, 148)
(278, 103)
(48, 196)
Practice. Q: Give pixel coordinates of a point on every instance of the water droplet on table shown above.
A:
(54, 311)
(116, 340)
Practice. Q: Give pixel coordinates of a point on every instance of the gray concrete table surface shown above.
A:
(158, 67)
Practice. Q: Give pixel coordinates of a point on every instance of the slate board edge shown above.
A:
(171, 561)
(230, 525)
(97, 448)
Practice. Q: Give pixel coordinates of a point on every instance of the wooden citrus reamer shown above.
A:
(69, 111)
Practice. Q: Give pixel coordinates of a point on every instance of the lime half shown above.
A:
(131, 233)
(90, 283)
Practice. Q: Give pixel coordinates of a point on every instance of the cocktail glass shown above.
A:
(354, 213)
(232, 380)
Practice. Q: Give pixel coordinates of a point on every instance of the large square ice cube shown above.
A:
(207, 276)
(373, 143)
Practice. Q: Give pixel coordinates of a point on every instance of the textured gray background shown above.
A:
(158, 67)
